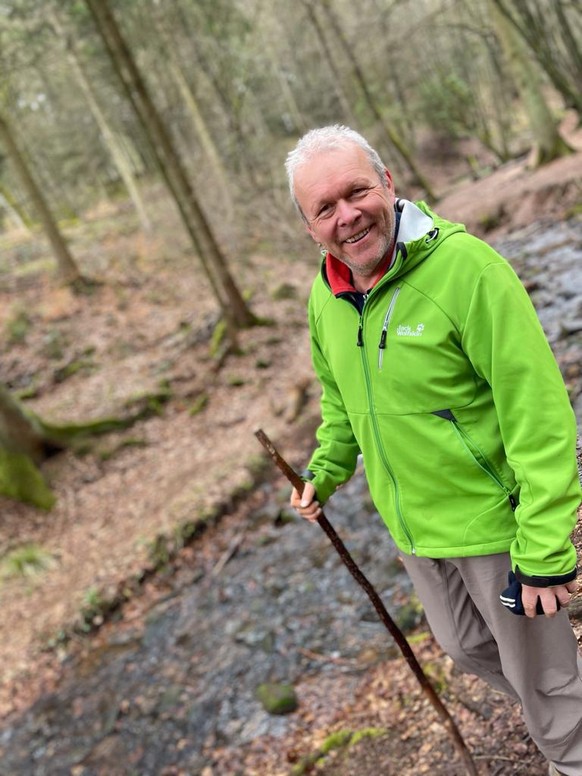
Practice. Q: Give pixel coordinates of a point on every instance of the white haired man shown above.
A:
(434, 367)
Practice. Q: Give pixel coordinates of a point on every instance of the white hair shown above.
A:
(325, 139)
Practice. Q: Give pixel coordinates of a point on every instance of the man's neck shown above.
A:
(364, 283)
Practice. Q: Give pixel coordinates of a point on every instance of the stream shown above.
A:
(262, 598)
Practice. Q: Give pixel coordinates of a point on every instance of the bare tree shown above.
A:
(548, 144)
(66, 264)
(234, 308)
(393, 136)
(551, 41)
(117, 152)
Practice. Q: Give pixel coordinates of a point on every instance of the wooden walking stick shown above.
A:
(393, 629)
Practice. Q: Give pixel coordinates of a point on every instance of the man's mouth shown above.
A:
(357, 237)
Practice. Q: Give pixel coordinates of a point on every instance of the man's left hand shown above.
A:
(548, 597)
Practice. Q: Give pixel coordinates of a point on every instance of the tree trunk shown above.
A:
(202, 132)
(233, 306)
(533, 31)
(66, 264)
(336, 75)
(548, 144)
(12, 212)
(22, 446)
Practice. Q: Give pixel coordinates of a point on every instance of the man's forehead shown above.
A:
(334, 164)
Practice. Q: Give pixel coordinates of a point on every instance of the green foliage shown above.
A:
(28, 560)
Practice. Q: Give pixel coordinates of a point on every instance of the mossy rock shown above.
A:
(277, 698)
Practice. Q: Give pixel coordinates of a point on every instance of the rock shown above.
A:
(277, 698)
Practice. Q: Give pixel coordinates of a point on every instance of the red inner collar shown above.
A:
(339, 275)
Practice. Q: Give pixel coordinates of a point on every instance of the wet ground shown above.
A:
(260, 598)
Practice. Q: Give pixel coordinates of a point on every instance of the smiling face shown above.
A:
(348, 210)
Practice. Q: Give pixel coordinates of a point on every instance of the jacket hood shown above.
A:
(420, 231)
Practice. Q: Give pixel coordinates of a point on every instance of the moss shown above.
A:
(20, 479)
(340, 739)
(370, 732)
(437, 676)
(277, 698)
(218, 337)
(336, 740)
(106, 454)
(410, 615)
(84, 363)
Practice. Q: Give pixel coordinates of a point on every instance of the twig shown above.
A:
(228, 554)
(391, 626)
(341, 661)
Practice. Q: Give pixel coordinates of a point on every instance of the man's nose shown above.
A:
(346, 212)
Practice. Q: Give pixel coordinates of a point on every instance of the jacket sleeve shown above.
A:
(334, 461)
(507, 346)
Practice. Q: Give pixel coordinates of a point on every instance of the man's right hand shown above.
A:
(306, 505)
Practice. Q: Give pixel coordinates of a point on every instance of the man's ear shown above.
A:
(309, 231)
(389, 181)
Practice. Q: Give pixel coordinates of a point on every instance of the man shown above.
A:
(434, 367)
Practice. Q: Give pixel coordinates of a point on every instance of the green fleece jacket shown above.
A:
(446, 384)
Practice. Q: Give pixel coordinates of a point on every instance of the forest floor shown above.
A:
(132, 498)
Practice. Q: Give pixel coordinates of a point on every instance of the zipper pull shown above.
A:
(512, 501)
(384, 333)
(360, 342)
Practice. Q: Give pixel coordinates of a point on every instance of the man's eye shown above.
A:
(324, 211)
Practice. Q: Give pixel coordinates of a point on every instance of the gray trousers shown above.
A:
(535, 661)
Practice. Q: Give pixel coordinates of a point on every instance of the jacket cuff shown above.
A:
(550, 581)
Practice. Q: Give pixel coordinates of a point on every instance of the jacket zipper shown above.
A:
(378, 437)
(481, 460)
(387, 317)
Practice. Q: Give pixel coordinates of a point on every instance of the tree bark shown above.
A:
(234, 308)
(66, 264)
(336, 75)
(22, 447)
(533, 31)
